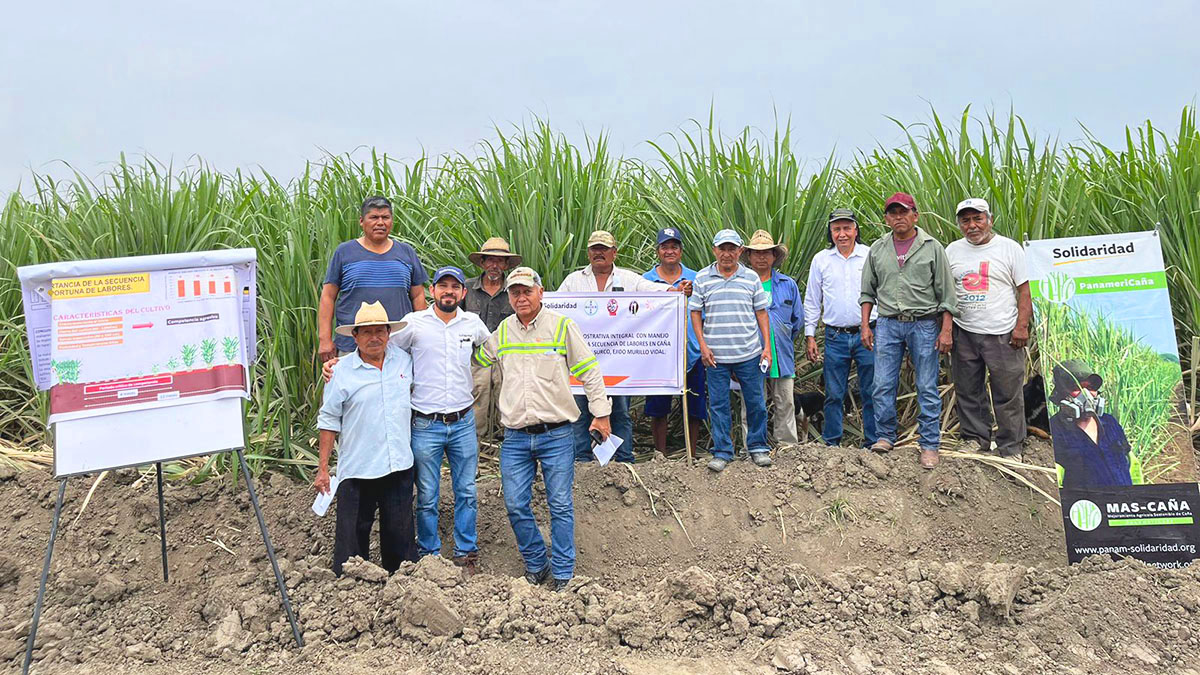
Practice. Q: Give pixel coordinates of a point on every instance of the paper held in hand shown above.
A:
(323, 500)
(605, 451)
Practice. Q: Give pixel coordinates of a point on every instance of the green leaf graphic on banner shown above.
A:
(1058, 287)
(1085, 515)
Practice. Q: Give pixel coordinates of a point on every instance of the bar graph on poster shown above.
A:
(111, 338)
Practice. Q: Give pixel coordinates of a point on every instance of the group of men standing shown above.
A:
(406, 396)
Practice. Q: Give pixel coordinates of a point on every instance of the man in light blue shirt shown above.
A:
(670, 270)
(367, 405)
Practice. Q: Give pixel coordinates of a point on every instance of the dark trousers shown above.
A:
(973, 355)
(357, 501)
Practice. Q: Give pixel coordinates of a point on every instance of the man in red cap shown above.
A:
(907, 277)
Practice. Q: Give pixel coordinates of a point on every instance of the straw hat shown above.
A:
(370, 315)
(496, 246)
(762, 240)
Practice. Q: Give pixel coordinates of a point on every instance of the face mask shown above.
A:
(1081, 404)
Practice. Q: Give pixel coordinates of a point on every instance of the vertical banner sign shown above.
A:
(1115, 396)
(640, 339)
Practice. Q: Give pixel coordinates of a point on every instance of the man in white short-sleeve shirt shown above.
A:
(990, 331)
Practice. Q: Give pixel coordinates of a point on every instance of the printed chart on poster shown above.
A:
(639, 339)
(1118, 417)
(116, 340)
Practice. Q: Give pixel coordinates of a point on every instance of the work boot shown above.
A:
(468, 563)
(929, 458)
(538, 578)
(559, 585)
(717, 465)
(761, 459)
(882, 445)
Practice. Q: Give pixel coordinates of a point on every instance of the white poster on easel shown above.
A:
(146, 358)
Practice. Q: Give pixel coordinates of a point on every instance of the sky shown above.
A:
(268, 85)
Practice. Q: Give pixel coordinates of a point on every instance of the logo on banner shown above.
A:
(633, 308)
(613, 307)
(590, 308)
(1085, 515)
(1059, 288)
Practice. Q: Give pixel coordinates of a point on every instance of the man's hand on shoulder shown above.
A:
(327, 369)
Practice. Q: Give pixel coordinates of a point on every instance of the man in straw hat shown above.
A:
(600, 275)
(371, 268)
(786, 315)
(907, 275)
(487, 297)
(366, 409)
(831, 296)
(539, 350)
(729, 311)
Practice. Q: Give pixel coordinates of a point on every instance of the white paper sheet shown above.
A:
(605, 451)
(322, 502)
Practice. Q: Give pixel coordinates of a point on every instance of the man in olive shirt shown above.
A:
(487, 297)
(539, 350)
(907, 275)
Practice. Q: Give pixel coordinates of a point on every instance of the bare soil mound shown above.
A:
(833, 561)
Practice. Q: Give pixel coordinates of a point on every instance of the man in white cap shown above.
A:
(366, 408)
(487, 297)
(539, 350)
(601, 275)
(990, 331)
(729, 313)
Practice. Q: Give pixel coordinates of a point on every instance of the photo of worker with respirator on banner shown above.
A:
(1090, 445)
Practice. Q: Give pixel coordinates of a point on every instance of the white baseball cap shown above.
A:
(973, 203)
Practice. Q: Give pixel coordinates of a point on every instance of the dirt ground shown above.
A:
(833, 561)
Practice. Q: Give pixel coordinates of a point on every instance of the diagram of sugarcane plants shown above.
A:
(206, 366)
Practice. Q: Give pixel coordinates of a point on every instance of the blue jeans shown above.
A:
(841, 350)
(622, 426)
(520, 454)
(919, 338)
(720, 413)
(431, 440)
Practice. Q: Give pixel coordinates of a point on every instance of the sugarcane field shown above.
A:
(600, 339)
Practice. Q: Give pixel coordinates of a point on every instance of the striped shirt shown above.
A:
(730, 327)
(364, 276)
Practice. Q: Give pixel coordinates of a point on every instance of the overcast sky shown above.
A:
(252, 84)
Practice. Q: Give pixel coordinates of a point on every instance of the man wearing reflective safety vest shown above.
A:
(537, 351)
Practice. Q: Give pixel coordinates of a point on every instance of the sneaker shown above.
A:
(761, 458)
(538, 578)
(882, 445)
(468, 563)
(929, 458)
(559, 585)
(716, 464)
(1016, 457)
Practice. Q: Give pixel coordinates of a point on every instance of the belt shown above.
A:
(849, 329)
(910, 318)
(444, 418)
(534, 429)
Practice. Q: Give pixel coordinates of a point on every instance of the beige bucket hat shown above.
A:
(370, 315)
(495, 246)
(762, 240)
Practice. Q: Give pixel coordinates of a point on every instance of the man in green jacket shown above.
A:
(907, 275)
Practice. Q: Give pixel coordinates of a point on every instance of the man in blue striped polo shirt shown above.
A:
(729, 313)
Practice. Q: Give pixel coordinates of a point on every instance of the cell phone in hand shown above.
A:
(597, 439)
